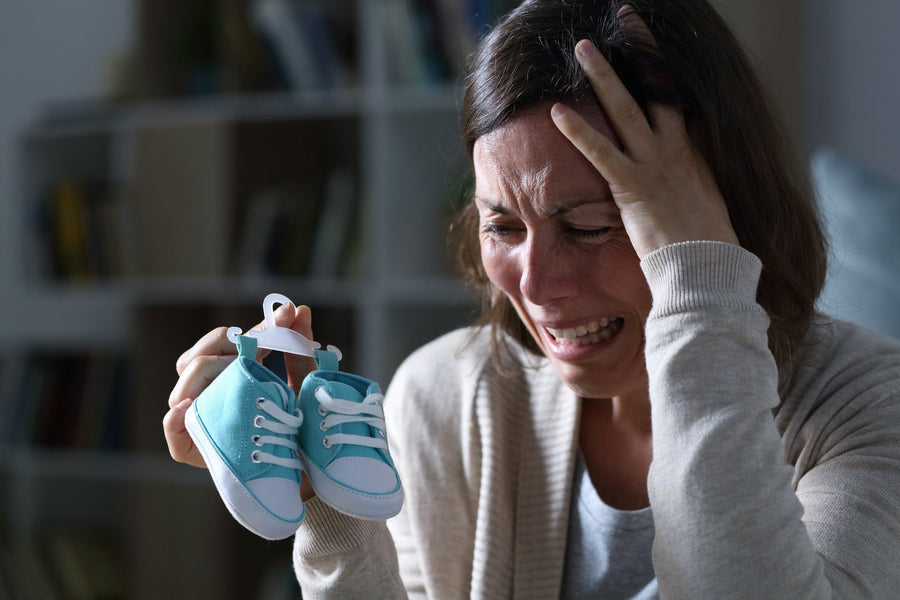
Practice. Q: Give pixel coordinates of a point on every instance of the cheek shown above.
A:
(631, 283)
(500, 266)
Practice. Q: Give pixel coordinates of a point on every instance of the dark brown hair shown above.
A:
(697, 64)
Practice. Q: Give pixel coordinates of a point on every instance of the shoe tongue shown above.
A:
(280, 398)
(345, 392)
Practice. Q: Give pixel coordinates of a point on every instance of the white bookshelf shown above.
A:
(402, 142)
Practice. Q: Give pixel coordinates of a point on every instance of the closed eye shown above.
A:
(589, 234)
(497, 229)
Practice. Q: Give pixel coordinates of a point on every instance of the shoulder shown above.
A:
(445, 363)
(841, 355)
(844, 381)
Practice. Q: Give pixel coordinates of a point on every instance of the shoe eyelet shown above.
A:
(258, 421)
(255, 439)
(326, 442)
(254, 457)
(259, 401)
(321, 410)
(322, 426)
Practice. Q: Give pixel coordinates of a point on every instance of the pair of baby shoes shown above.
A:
(256, 437)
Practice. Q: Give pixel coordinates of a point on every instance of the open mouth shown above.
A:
(590, 333)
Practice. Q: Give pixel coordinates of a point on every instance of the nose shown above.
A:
(547, 275)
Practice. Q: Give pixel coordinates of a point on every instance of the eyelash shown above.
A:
(582, 234)
(496, 229)
(589, 234)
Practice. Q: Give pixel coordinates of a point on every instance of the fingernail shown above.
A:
(285, 309)
(585, 49)
(558, 110)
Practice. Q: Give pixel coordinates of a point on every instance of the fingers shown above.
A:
(206, 360)
(197, 375)
(306, 488)
(298, 367)
(214, 343)
(181, 446)
(594, 145)
(624, 112)
(283, 317)
(668, 121)
(634, 128)
(209, 356)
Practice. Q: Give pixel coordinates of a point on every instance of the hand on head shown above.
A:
(660, 182)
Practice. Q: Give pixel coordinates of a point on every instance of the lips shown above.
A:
(588, 333)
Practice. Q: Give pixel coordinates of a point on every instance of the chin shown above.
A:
(598, 382)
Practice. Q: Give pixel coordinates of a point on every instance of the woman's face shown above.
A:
(553, 242)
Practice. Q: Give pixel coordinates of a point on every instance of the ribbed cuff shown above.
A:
(325, 531)
(692, 275)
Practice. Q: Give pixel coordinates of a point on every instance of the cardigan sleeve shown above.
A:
(337, 556)
(729, 522)
(425, 551)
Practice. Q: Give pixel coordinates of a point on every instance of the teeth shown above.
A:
(591, 333)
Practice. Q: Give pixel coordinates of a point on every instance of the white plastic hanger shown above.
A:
(279, 338)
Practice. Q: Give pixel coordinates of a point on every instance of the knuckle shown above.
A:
(205, 345)
(630, 112)
(182, 363)
(599, 153)
(204, 365)
(219, 332)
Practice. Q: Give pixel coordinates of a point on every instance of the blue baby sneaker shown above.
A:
(343, 446)
(245, 426)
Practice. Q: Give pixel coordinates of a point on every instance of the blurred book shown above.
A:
(333, 239)
(81, 232)
(298, 35)
(276, 235)
(183, 215)
(86, 565)
(69, 400)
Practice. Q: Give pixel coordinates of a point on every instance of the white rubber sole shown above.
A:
(240, 502)
(350, 501)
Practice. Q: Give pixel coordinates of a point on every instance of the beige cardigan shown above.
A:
(487, 461)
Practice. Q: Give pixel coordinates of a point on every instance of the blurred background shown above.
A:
(166, 163)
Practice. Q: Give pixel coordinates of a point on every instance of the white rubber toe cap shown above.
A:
(365, 474)
(279, 495)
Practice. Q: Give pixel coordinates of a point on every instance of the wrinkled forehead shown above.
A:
(528, 158)
(588, 107)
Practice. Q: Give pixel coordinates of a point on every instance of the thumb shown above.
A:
(298, 367)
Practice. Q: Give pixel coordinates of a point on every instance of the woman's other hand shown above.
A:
(664, 189)
(206, 359)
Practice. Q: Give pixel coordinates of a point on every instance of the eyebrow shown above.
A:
(566, 207)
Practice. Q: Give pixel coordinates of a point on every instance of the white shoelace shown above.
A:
(282, 422)
(337, 411)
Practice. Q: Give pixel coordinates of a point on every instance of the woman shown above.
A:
(654, 408)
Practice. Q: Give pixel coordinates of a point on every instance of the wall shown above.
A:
(768, 30)
(852, 81)
(831, 68)
(49, 51)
